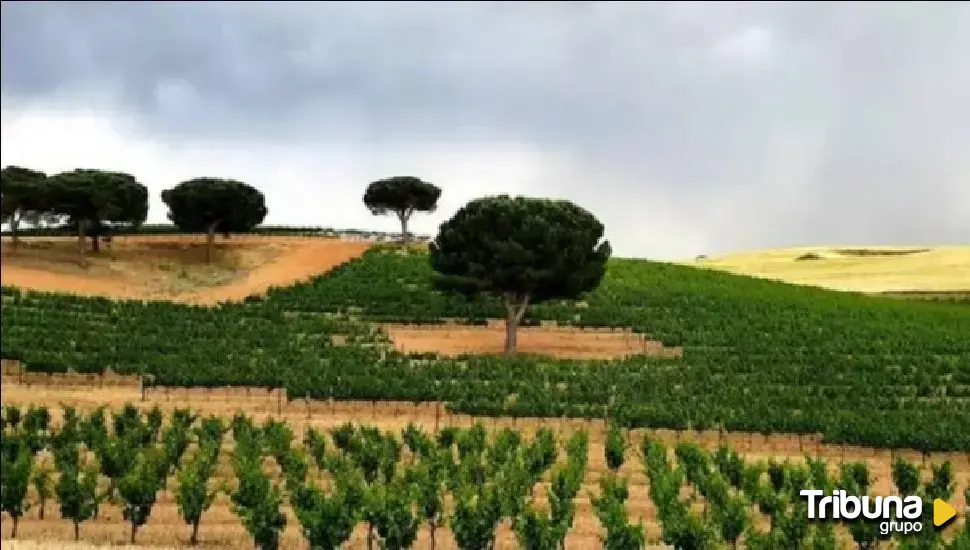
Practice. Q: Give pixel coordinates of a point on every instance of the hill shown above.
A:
(157, 262)
(938, 271)
(755, 355)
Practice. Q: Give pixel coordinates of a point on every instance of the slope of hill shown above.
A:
(758, 355)
(172, 267)
(872, 269)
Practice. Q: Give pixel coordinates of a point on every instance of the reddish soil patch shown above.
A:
(564, 342)
(172, 268)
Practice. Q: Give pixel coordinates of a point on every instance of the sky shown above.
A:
(687, 128)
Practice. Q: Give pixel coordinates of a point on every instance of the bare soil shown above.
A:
(172, 267)
(221, 528)
(564, 342)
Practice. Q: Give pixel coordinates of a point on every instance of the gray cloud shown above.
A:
(684, 125)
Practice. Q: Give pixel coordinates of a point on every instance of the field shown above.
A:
(935, 270)
(771, 369)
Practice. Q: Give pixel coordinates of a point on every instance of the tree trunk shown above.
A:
(404, 216)
(42, 503)
(13, 532)
(511, 332)
(210, 240)
(81, 225)
(95, 243)
(515, 309)
(433, 528)
(77, 531)
(194, 537)
(134, 531)
(370, 536)
(14, 222)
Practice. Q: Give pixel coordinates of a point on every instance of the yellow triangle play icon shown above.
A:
(942, 512)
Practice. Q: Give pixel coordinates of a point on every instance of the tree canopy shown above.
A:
(403, 196)
(21, 196)
(523, 250)
(214, 205)
(91, 198)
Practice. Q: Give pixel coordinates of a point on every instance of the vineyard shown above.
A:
(758, 356)
(129, 475)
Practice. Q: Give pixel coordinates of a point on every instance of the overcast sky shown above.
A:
(688, 128)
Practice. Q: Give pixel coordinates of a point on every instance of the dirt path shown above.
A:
(303, 260)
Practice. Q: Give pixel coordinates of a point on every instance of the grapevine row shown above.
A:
(466, 480)
(758, 356)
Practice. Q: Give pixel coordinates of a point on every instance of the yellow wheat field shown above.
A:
(855, 268)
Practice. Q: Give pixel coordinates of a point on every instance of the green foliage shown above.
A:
(22, 196)
(539, 454)
(942, 484)
(756, 352)
(611, 511)
(905, 476)
(615, 447)
(536, 531)
(327, 521)
(316, 444)
(489, 475)
(539, 248)
(193, 496)
(427, 478)
(730, 464)
(524, 250)
(392, 515)
(733, 518)
(821, 537)
(256, 500)
(42, 482)
(478, 510)
(90, 198)
(265, 521)
(138, 489)
(15, 477)
(402, 195)
(214, 205)
(76, 489)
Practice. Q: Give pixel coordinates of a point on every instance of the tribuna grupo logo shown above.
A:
(899, 514)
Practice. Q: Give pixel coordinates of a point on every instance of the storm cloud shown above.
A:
(687, 127)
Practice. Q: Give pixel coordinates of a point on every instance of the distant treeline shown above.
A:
(68, 230)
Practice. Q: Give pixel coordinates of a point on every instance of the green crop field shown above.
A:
(758, 355)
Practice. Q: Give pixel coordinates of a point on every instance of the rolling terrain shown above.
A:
(151, 267)
(775, 370)
(937, 270)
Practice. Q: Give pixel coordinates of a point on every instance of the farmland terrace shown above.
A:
(754, 355)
